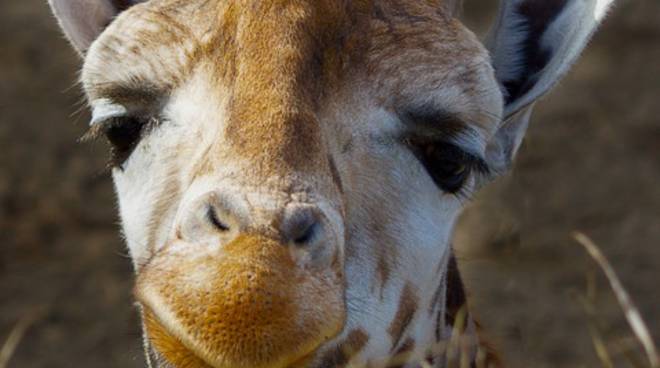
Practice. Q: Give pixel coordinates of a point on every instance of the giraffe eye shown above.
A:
(448, 165)
(123, 134)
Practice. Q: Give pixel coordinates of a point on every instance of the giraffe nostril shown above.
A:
(214, 219)
(302, 228)
(307, 235)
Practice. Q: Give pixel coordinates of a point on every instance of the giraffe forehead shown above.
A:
(161, 41)
(277, 61)
(283, 63)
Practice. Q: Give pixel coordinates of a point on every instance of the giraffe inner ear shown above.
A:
(83, 20)
(535, 42)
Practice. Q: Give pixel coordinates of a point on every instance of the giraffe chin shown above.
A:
(169, 348)
(249, 305)
(170, 352)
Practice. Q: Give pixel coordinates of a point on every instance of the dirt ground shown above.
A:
(591, 162)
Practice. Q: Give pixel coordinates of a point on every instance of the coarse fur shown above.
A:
(276, 208)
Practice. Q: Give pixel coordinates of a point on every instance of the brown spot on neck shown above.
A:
(342, 353)
(403, 354)
(404, 314)
(456, 307)
(383, 273)
(456, 298)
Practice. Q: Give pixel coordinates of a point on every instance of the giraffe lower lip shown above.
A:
(167, 347)
(170, 349)
(177, 353)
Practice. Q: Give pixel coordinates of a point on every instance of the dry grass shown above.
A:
(17, 333)
(637, 325)
(460, 351)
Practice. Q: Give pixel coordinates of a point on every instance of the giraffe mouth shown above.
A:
(170, 348)
(164, 350)
(226, 310)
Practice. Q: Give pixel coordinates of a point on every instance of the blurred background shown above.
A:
(591, 163)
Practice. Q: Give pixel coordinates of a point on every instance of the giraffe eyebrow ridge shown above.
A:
(132, 93)
(431, 124)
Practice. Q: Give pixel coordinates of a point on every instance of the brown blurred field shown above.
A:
(591, 162)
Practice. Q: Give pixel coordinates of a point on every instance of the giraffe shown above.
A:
(289, 172)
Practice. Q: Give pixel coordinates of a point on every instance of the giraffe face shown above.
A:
(286, 186)
(289, 172)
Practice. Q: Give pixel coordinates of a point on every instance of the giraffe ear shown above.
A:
(533, 44)
(83, 20)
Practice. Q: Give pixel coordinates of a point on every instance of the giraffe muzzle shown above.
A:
(249, 303)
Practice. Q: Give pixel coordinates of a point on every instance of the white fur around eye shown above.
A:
(104, 109)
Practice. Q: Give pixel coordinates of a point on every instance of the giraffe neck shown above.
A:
(457, 333)
(452, 326)
(463, 330)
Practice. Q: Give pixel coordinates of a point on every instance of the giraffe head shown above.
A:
(289, 171)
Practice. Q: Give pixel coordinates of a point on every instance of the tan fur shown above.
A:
(242, 302)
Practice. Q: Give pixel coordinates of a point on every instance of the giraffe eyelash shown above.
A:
(449, 166)
(123, 133)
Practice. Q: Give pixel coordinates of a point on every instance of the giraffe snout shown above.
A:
(240, 287)
(305, 229)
